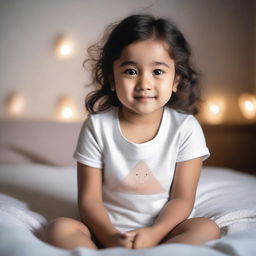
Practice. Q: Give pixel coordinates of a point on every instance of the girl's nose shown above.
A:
(143, 83)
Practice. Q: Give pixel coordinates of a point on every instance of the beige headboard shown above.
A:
(46, 142)
(232, 146)
(53, 143)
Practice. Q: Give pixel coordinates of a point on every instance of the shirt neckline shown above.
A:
(139, 145)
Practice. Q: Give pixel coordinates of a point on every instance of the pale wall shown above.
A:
(220, 32)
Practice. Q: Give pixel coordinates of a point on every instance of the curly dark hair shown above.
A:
(132, 29)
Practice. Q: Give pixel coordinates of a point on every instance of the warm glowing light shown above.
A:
(67, 112)
(64, 47)
(66, 109)
(247, 104)
(15, 104)
(214, 111)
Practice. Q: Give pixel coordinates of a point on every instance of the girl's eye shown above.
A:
(158, 72)
(131, 72)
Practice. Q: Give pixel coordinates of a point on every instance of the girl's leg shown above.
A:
(193, 231)
(68, 234)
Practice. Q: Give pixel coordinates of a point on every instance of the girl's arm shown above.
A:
(92, 211)
(182, 197)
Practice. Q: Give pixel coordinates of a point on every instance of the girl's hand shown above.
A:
(144, 238)
(122, 239)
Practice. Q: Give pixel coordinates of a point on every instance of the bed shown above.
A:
(38, 183)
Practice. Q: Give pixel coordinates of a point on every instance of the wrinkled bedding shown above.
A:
(33, 194)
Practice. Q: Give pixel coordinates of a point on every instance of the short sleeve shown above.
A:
(88, 151)
(192, 141)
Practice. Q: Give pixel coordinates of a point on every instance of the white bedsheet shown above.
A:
(16, 241)
(16, 213)
(29, 192)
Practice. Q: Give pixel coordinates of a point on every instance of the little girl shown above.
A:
(140, 151)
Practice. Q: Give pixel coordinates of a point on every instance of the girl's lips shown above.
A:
(144, 98)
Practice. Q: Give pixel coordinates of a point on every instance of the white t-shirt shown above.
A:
(137, 177)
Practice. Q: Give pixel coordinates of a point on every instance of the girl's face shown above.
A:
(144, 77)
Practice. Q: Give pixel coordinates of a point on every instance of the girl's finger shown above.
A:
(130, 233)
(136, 243)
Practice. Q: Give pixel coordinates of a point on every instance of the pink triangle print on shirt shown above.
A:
(140, 181)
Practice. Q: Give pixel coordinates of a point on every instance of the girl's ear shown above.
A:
(176, 83)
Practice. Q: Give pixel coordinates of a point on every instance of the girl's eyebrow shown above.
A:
(126, 63)
(154, 63)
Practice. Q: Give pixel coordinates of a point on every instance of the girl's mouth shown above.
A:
(144, 98)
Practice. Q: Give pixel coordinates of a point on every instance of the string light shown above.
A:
(247, 104)
(214, 111)
(64, 47)
(15, 104)
(65, 109)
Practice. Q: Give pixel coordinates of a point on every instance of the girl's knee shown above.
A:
(211, 228)
(63, 225)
